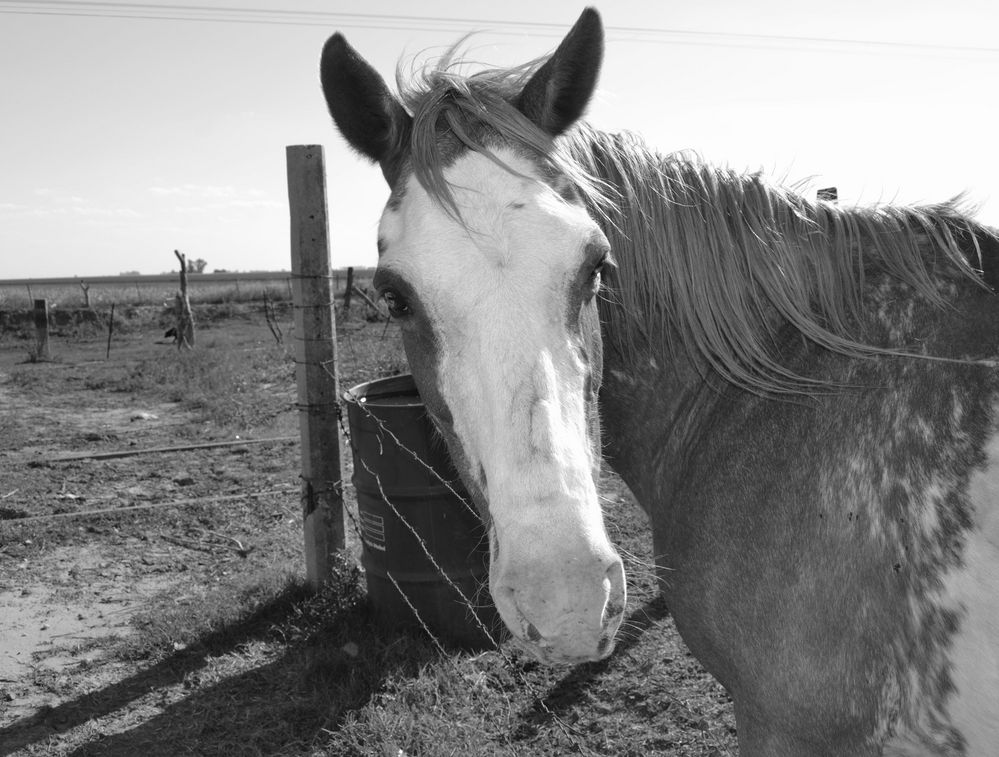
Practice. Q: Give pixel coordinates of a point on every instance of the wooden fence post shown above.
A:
(347, 291)
(107, 355)
(182, 308)
(42, 330)
(315, 357)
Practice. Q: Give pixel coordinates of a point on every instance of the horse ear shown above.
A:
(368, 115)
(557, 94)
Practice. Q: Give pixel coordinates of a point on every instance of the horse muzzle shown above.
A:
(563, 611)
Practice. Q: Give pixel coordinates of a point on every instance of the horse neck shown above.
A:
(705, 253)
(651, 413)
(651, 398)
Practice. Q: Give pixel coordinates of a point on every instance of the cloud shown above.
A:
(214, 198)
(92, 212)
(255, 204)
(207, 192)
(66, 210)
(58, 196)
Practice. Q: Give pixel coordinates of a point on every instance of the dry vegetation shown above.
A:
(146, 290)
(101, 296)
(184, 627)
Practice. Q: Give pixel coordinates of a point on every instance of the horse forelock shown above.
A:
(454, 113)
(725, 258)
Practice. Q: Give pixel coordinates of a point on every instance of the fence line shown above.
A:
(87, 292)
(223, 277)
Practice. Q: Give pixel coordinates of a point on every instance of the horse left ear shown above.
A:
(556, 96)
(369, 116)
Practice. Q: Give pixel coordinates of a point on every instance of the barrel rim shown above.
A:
(369, 393)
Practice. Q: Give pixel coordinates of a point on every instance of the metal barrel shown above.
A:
(424, 545)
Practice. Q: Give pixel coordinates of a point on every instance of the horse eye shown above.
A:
(397, 305)
(605, 263)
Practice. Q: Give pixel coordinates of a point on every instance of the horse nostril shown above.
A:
(612, 611)
(605, 645)
(507, 595)
(617, 594)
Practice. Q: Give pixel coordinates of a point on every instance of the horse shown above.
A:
(801, 394)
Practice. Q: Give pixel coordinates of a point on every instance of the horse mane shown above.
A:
(717, 252)
(710, 251)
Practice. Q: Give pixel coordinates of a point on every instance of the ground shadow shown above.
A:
(313, 685)
(571, 688)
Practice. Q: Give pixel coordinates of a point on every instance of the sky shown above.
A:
(124, 137)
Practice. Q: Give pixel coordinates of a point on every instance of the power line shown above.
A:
(459, 24)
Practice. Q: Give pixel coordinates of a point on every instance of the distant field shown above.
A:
(203, 288)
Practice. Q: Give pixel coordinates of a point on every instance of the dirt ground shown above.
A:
(67, 582)
(81, 588)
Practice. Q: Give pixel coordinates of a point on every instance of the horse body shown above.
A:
(832, 562)
(832, 559)
(803, 397)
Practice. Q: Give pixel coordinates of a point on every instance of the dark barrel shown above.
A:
(415, 528)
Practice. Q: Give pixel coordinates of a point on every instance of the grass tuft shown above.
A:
(223, 386)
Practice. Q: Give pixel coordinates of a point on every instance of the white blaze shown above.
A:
(495, 292)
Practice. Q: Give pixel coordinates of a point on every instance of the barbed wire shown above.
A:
(384, 435)
(567, 730)
(570, 733)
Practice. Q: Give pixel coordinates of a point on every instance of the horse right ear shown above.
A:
(556, 96)
(368, 115)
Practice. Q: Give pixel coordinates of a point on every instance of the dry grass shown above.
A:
(152, 293)
(223, 386)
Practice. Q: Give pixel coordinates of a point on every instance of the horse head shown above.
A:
(491, 263)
